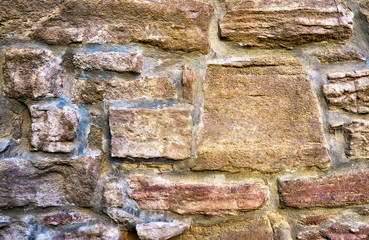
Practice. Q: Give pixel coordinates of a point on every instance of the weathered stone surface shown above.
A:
(189, 78)
(281, 228)
(61, 218)
(49, 182)
(197, 196)
(340, 56)
(357, 140)
(315, 219)
(111, 61)
(119, 215)
(32, 73)
(335, 191)
(173, 24)
(161, 230)
(309, 235)
(287, 23)
(343, 232)
(93, 90)
(348, 91)
(53, 128)
(113, 194)
(260, 114)
(365, 9)
(151, 133)
(258, 229)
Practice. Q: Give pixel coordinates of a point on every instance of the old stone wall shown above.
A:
(184, 119)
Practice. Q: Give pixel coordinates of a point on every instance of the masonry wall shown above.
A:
(184, 119)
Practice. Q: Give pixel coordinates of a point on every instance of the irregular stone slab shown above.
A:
(357, 140)
(113, 194)
(172, 24)
(262, 23)
(335, 191)
(50, 182)
(53, 129)
(348, 91)
(197, 196)
(364, 8)
(161, 230)
(112, 61)
(120, 216)
(32, 73)
(190, 82)
(257, 229)
(340, 56)
(151, 133)
(88, 91)
(260, 114)
(339, 231)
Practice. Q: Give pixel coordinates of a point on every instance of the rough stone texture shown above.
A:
(286, 23)
(281, 228)
(315, 219)
(124, 218)
(53, 128)
(343, 232)
(61, 218)
(48, 182)
(189, 78)
(113, 194)
(310, 236)
(357, 140)
(348, 91)
(340, 56)
(258, 229)
(151, 133)
(88, 91)
(260, 114)
(32, 73)
(334, 191)
(197, 197)
(161, 230)
(111, 61)
(365, 9)
(172, 24)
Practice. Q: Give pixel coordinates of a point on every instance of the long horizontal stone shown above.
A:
(357, 138)
(172, 24)
(94, 90)
(259, 113)
(287, 23)
(333, 191)
(151, 133)
(156, 193)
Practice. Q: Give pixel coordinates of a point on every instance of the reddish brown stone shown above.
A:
(93, 90)
(151, 133)
(357, 140)
(348, 91)
(258, 229)
(60, 218)
(113, 194)
(335, 191)
(53, 128)
(32, 73)
(190, 78)
(315, 219)
(343, 232)
(197, 197)
(287, 23)
(261, 114)
(172, 24)
(310, 236)
(112, 61)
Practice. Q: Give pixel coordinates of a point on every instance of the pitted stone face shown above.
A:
(260, 114)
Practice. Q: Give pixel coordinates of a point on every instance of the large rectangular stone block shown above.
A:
(151, 133)
(260, 114)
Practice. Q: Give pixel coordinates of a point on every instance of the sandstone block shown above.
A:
(339, 231)
(197, 196)
(260, 114)
(262, 23)
(357, 140)
(333, 191)
(93, 90)
(151, 133)
(190, 82)
(110, 61)
(53, 129)
(173, 25)
(348, 91)
(258, 229)
(340, 56)
(161, 230)
(32, 73)
(113, 194)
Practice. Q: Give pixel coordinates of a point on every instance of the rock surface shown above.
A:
(348, 91)
(53, 129)
(334, 191)
(161, 230)
(287, 23)
(197, 197)
(357, 140)
(32, 73)
(172, 24)
(151, 133)
(111, 61)
(260, 114)
(190, 82)
(87, 91)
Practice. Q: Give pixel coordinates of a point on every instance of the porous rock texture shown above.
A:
(184, 119)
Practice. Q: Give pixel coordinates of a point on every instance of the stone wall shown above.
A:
(184, 119)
